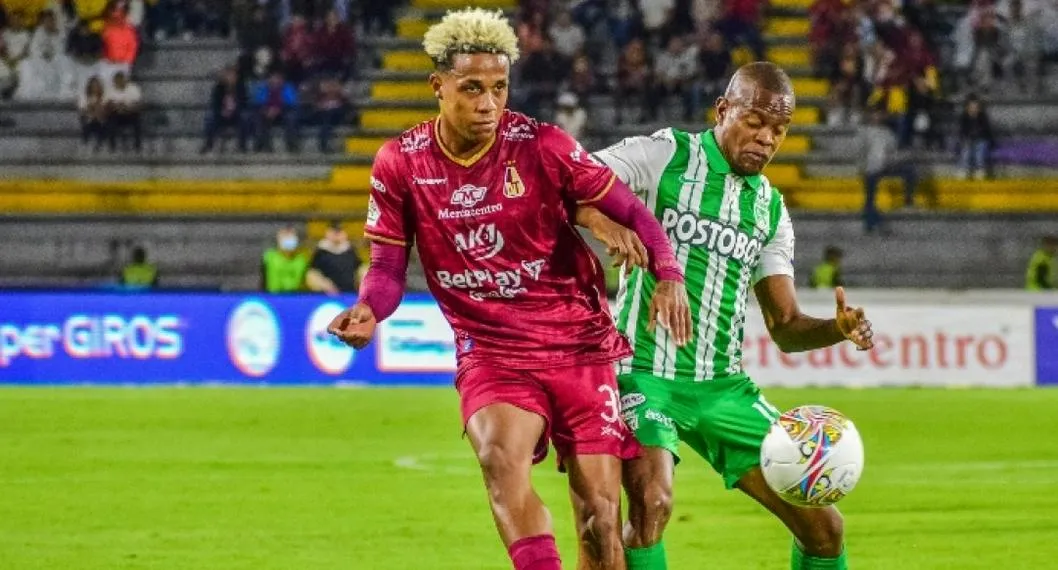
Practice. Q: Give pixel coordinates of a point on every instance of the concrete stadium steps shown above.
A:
(130, 170)
(166, 91)
(201, 58)
(207, 251)
(192, 197)
(167, 146)
(846, 195)
(924, 249)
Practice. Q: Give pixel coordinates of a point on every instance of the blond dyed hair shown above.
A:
(468, 31)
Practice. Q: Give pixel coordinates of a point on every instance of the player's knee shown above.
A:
(826, 535)
(600, 518)
(500, 465)
(649, 513)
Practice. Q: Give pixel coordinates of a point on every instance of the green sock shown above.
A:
(801, 561)
(648, 558)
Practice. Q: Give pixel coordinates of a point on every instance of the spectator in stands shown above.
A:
(331, 108)
(378, 17)
(121, 44)
(297, 52)
(124, 111)
(975, 139)
(228, 110)
(715, 66)
(139, 273)
(8, 77)
(741, 25)
(336, 266)
(46, 74)
(879, 158)
(634, 79)
(531, 30)
(570, 115)
(1042, 273)
(923, 89)
(581, 80)
(541, 74)
(1024, 39)
(625, 22)
(16, 39)
(259, 30)
(256, 68)
(675, 72)
(657, 16)
(283, 267)
(334, 47)
(987, 58)
(848, 88)
(92, 108)
(84, 48)
(567, 37)
(276, 101)
(827, 274)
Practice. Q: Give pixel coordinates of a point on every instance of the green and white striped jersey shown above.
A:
(728, 231)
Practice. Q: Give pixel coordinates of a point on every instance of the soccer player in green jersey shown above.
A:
(730, 229)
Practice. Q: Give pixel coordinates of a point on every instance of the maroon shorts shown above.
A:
(580, 404)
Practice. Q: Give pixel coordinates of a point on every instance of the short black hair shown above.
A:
(765, 75)
(832, 251)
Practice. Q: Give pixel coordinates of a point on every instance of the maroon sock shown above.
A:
(535, 553)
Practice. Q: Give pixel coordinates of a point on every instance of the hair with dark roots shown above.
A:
(470, 31)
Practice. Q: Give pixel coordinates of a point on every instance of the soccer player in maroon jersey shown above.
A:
(486, 196)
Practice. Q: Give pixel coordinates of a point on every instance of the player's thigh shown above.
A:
(505, 412)
(733, 419)
(653, 409)
(586, 412)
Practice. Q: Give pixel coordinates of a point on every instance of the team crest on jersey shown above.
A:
(512, 182)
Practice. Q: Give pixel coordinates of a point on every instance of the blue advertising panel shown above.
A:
(114, 338)
(1047, 345)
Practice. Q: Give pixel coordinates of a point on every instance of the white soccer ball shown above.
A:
(812, 457)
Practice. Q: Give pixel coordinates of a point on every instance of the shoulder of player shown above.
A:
(412, 141)
(655, 146)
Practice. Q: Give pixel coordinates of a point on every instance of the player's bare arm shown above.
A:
(622, 244)
(669, 304)
(794, 331)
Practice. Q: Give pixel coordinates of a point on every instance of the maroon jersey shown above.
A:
(512, 276)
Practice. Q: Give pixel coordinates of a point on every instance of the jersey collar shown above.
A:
(719, 164)
(464, 162)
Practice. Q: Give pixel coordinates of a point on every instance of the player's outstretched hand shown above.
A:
(853, 323)
(354, 326)
(622, 244)
(670, 308)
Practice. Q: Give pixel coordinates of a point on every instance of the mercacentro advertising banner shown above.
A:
(950, 345)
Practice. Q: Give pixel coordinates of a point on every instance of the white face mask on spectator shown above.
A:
(288, 243)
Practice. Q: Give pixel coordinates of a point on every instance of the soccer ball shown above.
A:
(812, 457)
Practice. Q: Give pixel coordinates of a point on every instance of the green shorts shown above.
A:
(724, 420)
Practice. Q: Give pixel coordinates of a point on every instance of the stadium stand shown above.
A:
(182, 202)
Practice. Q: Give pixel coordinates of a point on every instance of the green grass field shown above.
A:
(219, 478)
